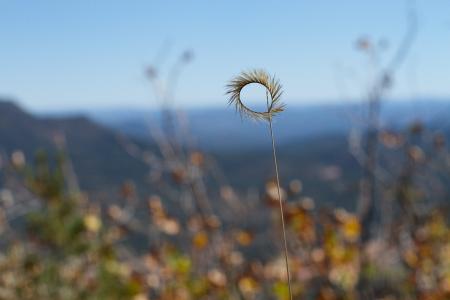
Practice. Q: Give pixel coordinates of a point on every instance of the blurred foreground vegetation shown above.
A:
(72, 247)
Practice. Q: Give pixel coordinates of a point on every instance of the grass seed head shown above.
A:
(272, 85)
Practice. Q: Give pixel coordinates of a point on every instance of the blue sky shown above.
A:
(89, 54)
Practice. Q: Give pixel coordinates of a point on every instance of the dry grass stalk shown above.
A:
(274, 106)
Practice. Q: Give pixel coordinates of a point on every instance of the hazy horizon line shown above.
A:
(211, 106)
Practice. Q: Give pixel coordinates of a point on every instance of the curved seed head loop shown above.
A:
(273, 87)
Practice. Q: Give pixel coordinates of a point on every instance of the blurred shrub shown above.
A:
(74, 249)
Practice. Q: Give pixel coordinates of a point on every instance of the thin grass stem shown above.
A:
(274, 106)
(275, 161)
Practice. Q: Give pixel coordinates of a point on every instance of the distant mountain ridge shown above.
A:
(212, 127)
(312, 144)
(100, 161)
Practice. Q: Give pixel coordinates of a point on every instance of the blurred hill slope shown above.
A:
(100, 161)
(313, 144)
